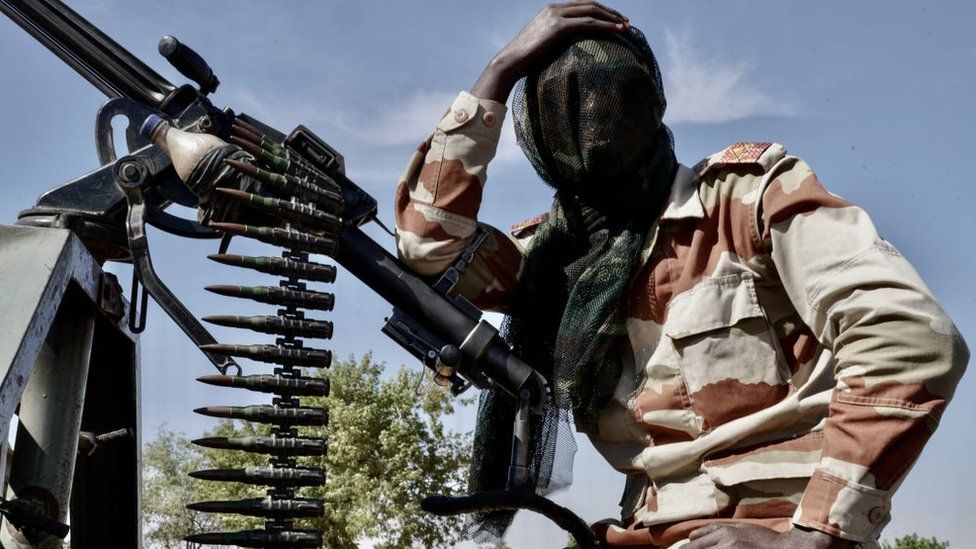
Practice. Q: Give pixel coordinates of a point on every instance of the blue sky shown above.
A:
(875, 95)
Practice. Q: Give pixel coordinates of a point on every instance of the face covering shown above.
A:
(594, 116)
(590, 121)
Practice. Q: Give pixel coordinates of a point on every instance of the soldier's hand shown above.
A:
(750, 536)
(539, 39)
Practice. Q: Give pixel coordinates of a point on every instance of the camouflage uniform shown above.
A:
(787, 364)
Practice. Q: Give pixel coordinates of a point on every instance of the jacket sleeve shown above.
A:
(438, 198)
(898, 357)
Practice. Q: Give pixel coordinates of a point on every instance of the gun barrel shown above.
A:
(92, 54)
(379, 270)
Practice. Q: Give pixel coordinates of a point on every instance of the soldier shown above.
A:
(761, 365)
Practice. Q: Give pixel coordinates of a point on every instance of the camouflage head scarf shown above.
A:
(590, 123)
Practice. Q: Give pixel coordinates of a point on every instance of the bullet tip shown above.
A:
(210, 442)
(232, 228)
(213, 347)
(223, 289)
(219, 380)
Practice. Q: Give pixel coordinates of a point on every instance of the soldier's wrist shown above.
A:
(496, 81)
(817, 539)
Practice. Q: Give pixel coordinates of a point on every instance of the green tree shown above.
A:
(914, 542)
(166, 489)
(388, 448)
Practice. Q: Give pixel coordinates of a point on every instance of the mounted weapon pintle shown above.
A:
(310, 206)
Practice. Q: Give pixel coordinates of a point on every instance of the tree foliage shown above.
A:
(166, 489)
(914, 542)
(388, 448)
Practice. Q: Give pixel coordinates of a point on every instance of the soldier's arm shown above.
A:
(898, 356)
(440, 191)
(439, 196)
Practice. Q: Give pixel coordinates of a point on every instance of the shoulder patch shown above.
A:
(743, 153)
(519, 229)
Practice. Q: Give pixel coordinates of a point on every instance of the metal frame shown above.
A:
(67, 353)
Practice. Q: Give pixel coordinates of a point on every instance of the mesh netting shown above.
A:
(590, 125)
(585, 118)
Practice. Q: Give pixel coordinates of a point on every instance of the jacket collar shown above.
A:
(684, 202)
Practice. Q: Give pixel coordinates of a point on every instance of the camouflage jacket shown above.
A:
(787, 363)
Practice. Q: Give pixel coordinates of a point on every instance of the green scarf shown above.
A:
(567, 316)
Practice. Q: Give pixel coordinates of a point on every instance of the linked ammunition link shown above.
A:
(308, 203)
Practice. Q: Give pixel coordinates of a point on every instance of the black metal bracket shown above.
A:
(24, 517)
(452, 275)
(518, 468)
(433, 352)
(139, 306)
(510, 500)
(517, 494)
(89, 442)
(133, 175)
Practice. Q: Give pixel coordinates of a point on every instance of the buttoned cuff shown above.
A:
(843, 508)
(474, 117)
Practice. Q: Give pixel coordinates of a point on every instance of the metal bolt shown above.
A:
(130, 172)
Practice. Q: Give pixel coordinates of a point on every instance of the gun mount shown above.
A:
(318, 210)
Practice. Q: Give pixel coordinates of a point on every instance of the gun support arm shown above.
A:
(131, 174)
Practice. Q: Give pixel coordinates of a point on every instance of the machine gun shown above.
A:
(108, 208)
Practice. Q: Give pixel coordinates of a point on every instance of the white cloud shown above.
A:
(284, 111)
(408, 121)
(714, 89)
(247, 100)
(376, 176)
(403, 122)
(508, 147)
(397, 122)
(701, 88)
